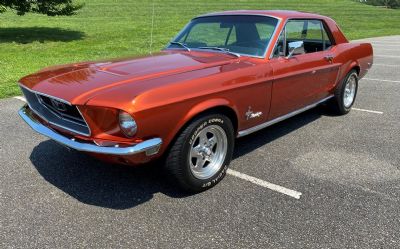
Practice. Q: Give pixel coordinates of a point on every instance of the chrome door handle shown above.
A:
(329, 58)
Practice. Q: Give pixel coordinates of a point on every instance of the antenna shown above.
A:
(151, 32)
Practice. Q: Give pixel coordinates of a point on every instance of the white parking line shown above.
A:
(386, 65)
(387, 56)
(384, 45)
(393, 81)
(384, 42)
(385, 49)
(265, 184)
(365, 110)
(20, 98)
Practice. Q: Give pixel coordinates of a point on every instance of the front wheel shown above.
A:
(345, 93)
(200, 156)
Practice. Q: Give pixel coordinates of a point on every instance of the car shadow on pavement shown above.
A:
(121, 187)
(258, 139)
(97, 183)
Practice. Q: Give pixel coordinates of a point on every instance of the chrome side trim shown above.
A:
(279, 119)
(150, 147)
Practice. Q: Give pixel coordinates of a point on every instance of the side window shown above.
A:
(296, 30)
(280, 48)
(314, 32)
(326, 39)
(313, 42)
(311, 32)
(317, 39)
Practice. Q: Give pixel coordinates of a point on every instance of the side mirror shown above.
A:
(295, 48)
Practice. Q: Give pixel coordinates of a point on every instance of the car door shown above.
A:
(302, 79)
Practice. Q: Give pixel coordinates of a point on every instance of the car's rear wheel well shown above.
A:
(357, 68)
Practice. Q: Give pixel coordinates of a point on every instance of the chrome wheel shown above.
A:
(350, 91)
(208, 151)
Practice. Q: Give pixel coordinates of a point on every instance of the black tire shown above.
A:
(177, 162)
(337, 103)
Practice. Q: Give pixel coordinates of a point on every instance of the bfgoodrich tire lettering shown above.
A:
(190, 160)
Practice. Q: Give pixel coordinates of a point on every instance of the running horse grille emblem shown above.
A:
(59, 106)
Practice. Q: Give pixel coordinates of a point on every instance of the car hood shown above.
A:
(77, 83)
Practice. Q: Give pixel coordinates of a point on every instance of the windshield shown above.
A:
(241, 34)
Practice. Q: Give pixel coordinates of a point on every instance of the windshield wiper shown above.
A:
(180, 44)
(225, 50)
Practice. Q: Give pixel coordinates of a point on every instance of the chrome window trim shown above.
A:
(52, 123)
(238, 14)
(281, 118)
(277, 38)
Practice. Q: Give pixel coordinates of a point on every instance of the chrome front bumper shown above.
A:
(150, 147)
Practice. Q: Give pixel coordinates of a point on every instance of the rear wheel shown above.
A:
(345, 93)
(200, 156)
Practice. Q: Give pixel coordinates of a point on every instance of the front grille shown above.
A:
(56, 112)
(61, 109)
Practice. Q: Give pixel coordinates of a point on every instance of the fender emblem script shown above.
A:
(250, 114)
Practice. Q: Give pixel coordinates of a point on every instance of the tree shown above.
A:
(46, 7)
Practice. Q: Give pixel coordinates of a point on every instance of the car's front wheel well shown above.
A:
(223, 110)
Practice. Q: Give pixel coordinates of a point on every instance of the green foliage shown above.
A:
(47, 7)
(119, 28)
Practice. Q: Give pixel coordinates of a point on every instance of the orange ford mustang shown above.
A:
(225, 75)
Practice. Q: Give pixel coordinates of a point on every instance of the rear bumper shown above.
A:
(149, 147)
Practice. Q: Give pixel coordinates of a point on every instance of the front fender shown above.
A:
(207, 105)
(198, 109)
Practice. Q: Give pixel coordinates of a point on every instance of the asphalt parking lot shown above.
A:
(343, 171)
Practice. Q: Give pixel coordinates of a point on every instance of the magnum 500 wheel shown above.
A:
(200, 156)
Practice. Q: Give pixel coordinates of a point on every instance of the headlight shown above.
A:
(127, 124)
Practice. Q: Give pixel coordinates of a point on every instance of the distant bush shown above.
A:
(47, 7)
(394, 4)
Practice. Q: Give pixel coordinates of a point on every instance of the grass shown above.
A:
(110, 28)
